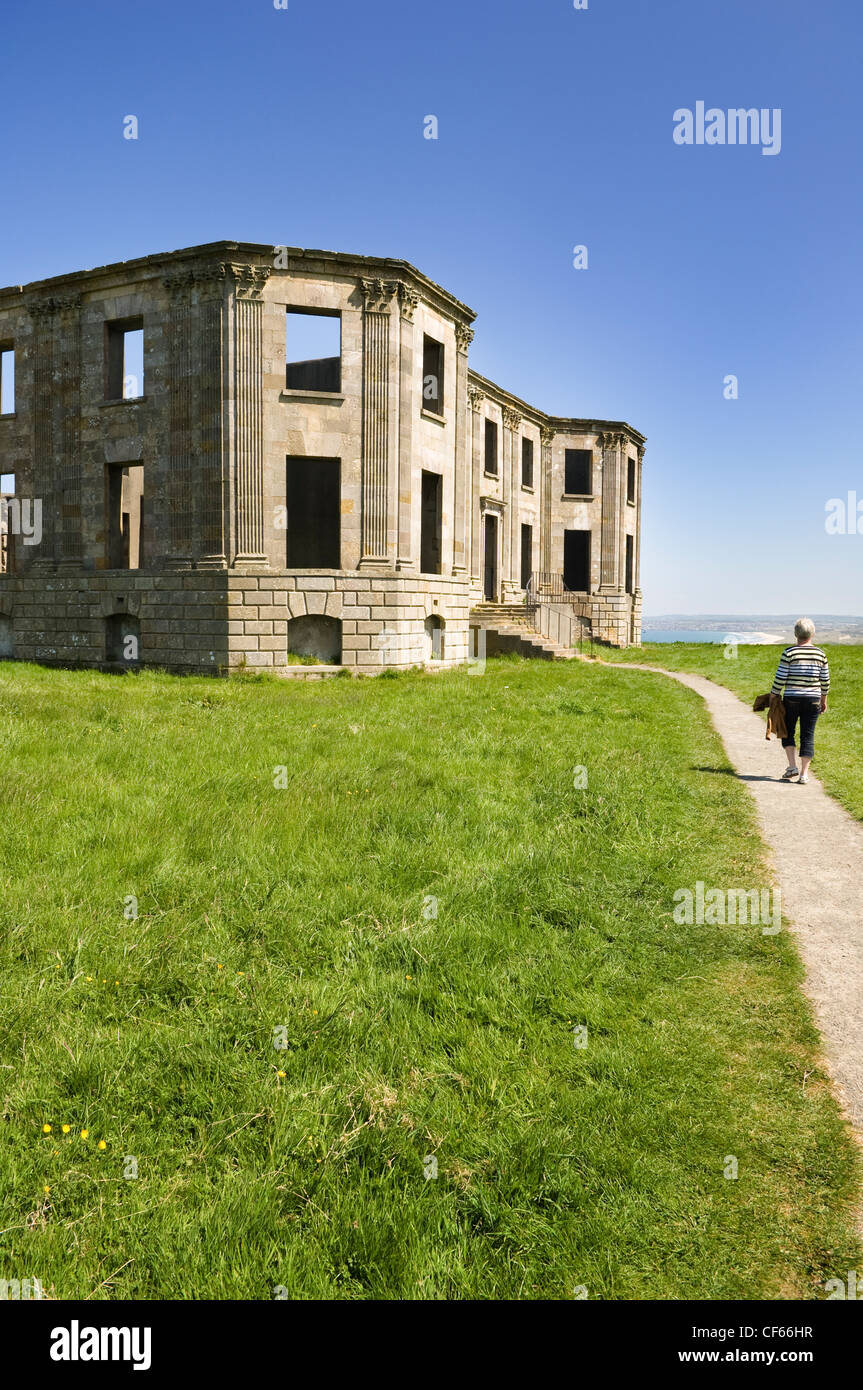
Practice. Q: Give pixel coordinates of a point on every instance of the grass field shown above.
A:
(839, 733)
(424, 911)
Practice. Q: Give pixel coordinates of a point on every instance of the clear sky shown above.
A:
(304, 126)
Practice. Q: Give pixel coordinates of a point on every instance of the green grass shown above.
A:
(839, 733)
(409, 1035)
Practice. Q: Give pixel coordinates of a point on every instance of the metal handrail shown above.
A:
(546, 589)
(547, 586)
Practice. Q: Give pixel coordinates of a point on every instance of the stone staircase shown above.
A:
(508, 630)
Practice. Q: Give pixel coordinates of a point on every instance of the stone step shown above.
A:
(525, 641)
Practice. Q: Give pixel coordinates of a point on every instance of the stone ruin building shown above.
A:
(227, 456)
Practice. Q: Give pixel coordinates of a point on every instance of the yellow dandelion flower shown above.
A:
(281, 1073)
(90, 978)
(46, 1129)
(220, 967)
(314, 1011)
(85, 1133)
(46, 1189)
(408, 977)
(65, 1128)
(101, 1144)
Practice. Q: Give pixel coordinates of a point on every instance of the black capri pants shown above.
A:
(807, 711)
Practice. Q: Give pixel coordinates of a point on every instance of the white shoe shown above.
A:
(789, 773)
(803, 778)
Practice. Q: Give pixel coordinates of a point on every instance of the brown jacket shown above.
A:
(775, 707)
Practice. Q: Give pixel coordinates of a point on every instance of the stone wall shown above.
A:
(217, 622)
(212, 431)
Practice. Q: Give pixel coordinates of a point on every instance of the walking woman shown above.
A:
(804, 673)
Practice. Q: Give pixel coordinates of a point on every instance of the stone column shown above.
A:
(622, 511)
(636, 568)
(70, 549)
(215, 432)
(45, 490)
(512, 577)
(180, 528)
(248, 395)
(546, 440)
(610, 561)
(461, 490)
(377, 299)
(408, 300)
(476, 399)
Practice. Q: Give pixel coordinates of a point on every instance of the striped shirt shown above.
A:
(804, 673)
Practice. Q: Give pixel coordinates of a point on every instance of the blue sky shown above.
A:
(305, 127)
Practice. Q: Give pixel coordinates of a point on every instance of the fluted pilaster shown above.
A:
(248, 393)
(476, 399)
(512, 560)
(70, 548)
(44, 487)
(546, 441)
(408, 300)
(636, 583)
(612, 500)
(377, 300)
(461, 505)
(211, 310)
(179, 489)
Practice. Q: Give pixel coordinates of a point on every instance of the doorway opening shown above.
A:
(576, 561)
(125, 516)
(431, 515)
(490, 558)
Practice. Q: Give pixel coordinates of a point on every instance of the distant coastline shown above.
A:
(756, 629)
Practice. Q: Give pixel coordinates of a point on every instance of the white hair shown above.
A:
(804, 629)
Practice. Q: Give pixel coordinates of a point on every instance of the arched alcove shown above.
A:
(123, 638)
(316, 635)
(434, 638)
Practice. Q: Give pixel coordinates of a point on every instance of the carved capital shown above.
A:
(463, 337)
(476, 398)
(67, 304)
(214, 271)
(408, 301)
(377, 295)
(511, 419)
(546, 435)
(178, 283)
(609, 440)
(250, 280)
(211, 278)
(42, 309)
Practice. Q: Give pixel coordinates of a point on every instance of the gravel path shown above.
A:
(817, 852)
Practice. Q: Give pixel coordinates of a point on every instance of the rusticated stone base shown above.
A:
(219, 621)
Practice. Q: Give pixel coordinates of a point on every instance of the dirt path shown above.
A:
(817, 851)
